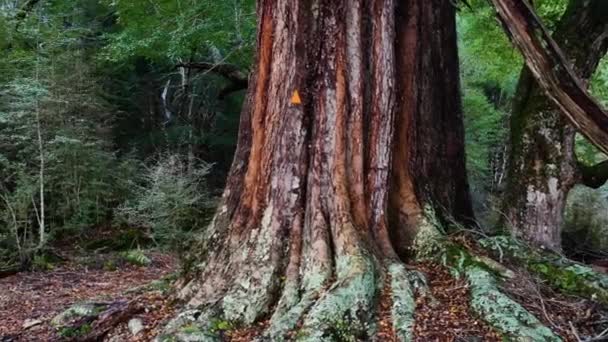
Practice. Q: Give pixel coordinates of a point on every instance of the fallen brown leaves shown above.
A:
(571, 317)
(39, 296)
(385, 321)
(449, 317)
(246, 334)
(157, 310)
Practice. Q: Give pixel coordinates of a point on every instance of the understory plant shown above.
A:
(172, 201)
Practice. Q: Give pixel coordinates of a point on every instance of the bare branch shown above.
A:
(233, 73)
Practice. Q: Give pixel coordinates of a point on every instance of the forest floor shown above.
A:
(30, 300)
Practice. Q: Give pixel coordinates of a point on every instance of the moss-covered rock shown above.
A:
(78, 312)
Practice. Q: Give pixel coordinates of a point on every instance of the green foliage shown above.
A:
(42, 262)
(75, 332)
(219, 325)
(599, 82)
(485, 132)
(54, 150)
(136, 257)
(182, 30)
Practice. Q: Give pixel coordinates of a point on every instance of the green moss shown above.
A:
(346, 329)
(76, 312)
(136, 257)
(559, 272)
(191, 329)
(352, 298)
(73, 332)
(458, 260)
(574, 279)
(192, 325)
(429, 237)
(489, 303)
(404, 303)
(218, 325)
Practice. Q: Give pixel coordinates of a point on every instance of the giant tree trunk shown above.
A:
(542, 166)
(353, 105)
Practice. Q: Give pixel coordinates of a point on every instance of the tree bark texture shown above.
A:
(352, 116)
(542, 166)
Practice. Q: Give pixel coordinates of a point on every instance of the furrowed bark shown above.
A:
(542, 166)
(429, 125)
(302, 235)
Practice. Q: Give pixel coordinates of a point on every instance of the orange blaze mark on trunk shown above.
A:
(295, 98)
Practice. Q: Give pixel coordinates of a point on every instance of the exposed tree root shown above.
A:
(347, 308)
(502, 312)
(308, 310)
(559, 272)
(339, 302)
(403, 302)
(344, 311)
(487, 300)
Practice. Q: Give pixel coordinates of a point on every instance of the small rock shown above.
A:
(136, 325)
(30, 323)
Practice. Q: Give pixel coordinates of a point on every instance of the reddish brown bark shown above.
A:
(302, 233)
(428, 167)
(310, 184)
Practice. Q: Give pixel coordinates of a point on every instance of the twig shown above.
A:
(574, 332)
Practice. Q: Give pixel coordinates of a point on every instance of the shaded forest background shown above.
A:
(118, 122)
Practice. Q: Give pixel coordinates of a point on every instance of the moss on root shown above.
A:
(350, 301)
(404, 303)
(429, 236)
(500, 311)
(488, 302)
(560, 273)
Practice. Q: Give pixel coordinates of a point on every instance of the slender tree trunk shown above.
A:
(40, 214)
(542, 166)
(353, 112)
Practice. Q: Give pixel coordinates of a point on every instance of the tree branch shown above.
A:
(233, 73)
(593, 176)
(552, 70)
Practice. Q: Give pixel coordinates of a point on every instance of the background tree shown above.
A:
(543, 166)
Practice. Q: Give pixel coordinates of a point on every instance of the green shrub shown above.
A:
(173, 201)
(136, 257)
(41, 262)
